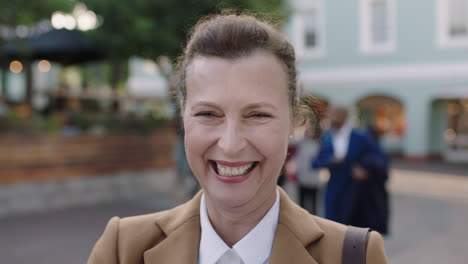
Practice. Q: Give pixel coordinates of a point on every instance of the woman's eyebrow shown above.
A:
(261, 105)
(247, 107)
(205, 103)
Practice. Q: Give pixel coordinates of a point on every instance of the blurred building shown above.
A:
(146, 89)
(402, 65)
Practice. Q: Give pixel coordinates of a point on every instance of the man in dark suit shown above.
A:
(345, 152)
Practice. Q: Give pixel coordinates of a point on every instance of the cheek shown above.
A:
(198, 140)
(193, 137)
(272, 142)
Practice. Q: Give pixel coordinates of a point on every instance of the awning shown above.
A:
(62, 46)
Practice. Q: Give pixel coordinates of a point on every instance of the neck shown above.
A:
(232, 224)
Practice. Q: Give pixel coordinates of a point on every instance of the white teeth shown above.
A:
(233, 171)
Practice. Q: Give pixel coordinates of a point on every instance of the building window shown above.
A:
(458, 18)
(377, 26)
(309, 29)
(452, 23)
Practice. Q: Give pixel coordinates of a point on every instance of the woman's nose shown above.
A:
(232, 141)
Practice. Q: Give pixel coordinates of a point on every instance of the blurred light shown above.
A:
(22, 31)
(58, 20)
(87, 21)
(16, 66)
(450, 135)
(80, 18)
(44, 66)
(70, 22)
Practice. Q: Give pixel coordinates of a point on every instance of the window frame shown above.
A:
(299, 29)
(366, 43)
(444, 39)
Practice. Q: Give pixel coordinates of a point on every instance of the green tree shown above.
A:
(154, 28)
(26, 12)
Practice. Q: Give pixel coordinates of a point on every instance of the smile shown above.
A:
(234, 169)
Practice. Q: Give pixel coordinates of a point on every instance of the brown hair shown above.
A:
(233, 36)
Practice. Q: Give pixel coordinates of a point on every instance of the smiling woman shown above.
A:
(249, 109)
(239, 105)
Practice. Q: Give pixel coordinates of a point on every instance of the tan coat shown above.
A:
(173, 237)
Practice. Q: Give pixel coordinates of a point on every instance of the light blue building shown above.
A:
(402, 65)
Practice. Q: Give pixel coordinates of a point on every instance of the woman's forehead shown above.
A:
(255, 61)
(258, 67)
(257, 74)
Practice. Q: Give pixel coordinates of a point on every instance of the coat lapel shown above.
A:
(182, 229)
(180, 247)
(296, 230)
(288, 249)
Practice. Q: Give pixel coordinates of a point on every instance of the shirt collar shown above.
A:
(212, 247)
(255, 247)
(343, 131)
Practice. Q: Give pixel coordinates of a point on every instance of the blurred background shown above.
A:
(89, 128)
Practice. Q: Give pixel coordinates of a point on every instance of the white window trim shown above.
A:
(366, 45)
(444, 41)
(298, 27)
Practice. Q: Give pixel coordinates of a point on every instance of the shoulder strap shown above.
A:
(355, 245)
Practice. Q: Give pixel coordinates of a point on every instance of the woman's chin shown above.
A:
(229, 198)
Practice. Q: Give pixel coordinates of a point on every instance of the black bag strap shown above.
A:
(355, 245)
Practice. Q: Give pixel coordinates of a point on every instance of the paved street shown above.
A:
(429, 217)
(430, 212)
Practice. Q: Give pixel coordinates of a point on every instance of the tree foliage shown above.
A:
(27, 12)
(151, 28)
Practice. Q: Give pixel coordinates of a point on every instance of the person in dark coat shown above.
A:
(377, 206)
(348, 154)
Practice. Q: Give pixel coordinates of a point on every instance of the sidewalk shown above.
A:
(428, 218)
(434, 166)
(67, 235)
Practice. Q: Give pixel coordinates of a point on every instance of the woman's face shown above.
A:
(237, 123)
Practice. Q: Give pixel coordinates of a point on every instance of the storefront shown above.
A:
(386, 115)
(456, 133)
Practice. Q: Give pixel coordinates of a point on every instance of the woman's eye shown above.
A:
(206, 114)
(260, 115)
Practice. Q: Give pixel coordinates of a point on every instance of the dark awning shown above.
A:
(62, 46)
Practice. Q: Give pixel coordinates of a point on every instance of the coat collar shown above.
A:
(296, 230)
(181, 227)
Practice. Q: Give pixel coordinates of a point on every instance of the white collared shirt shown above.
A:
(254, 248)
(341, 141)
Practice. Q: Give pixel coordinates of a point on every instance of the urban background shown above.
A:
(89, 128)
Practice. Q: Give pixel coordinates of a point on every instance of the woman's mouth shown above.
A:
(238, 169)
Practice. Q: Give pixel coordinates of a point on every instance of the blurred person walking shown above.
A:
(349, 156)
(299, 167)
(378, 202)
